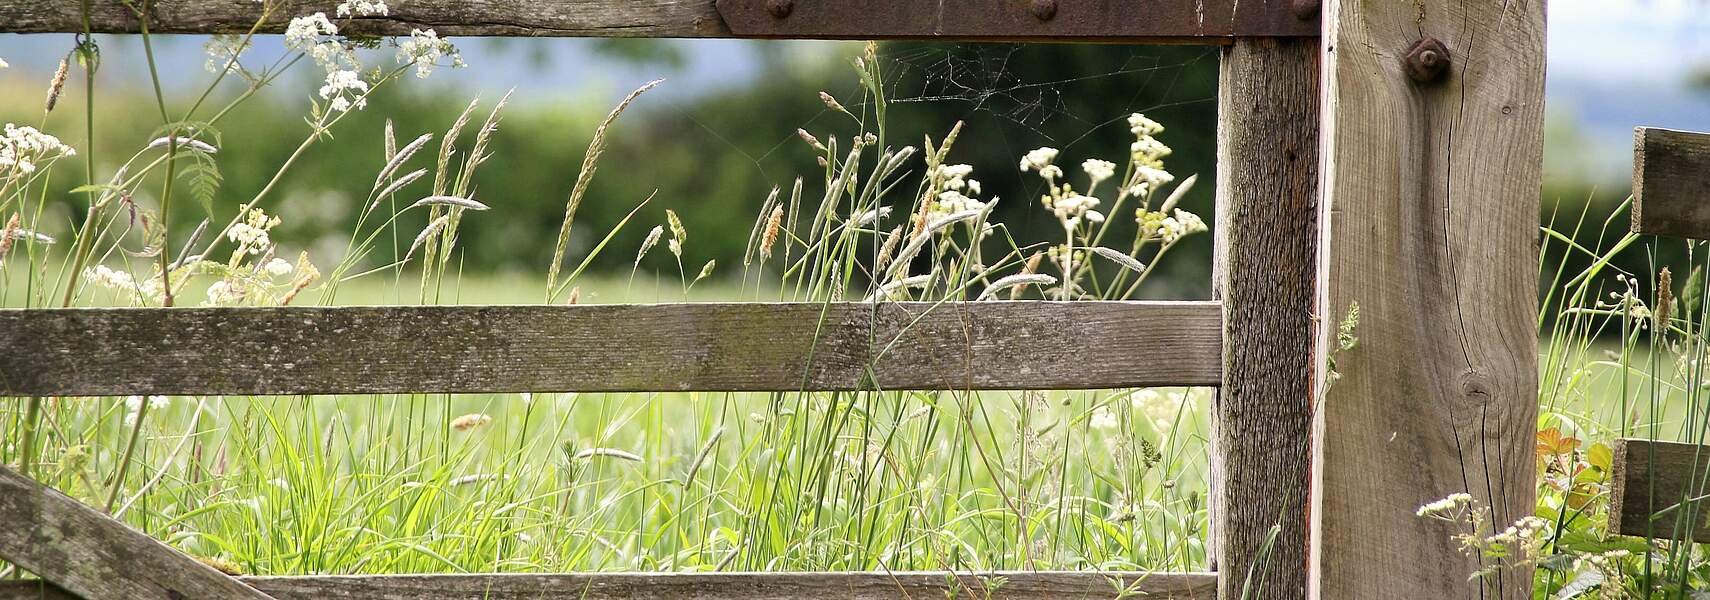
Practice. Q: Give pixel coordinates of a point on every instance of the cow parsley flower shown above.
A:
(1040, 160)
(251, 235)
(23, 149)
(1098, 171)
(1103, 418)
(305, 33)
(425, 50)
(277, 267)
(1142, 126)
(362, 8)
(346, 90)
(223, 52)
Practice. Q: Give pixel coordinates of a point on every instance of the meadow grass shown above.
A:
(878, 480)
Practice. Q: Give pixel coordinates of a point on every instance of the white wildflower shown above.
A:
(224, 292)
(346, 90)
(223, 52)
(278, 267)
(1180, 225)
(361, 8)
(3, 63)
(1098, 170)
(1102, 418)
(1446, 506)
(24, 149)
(1148, 150)
(1038, 160)
(251, 235)
(1142, 126)
(425, 50)
(106, 277)
(305, 33)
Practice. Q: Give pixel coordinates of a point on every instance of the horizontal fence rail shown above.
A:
(1015, 585)
(609, 348)
(1671, 179)
(1204, 21)
(1653, 478)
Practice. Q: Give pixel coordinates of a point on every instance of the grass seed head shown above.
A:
(57, 85)
(771, 236)
(470, 422)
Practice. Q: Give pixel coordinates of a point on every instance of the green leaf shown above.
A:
(1600, 456)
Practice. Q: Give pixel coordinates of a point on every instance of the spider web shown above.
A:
(981, 77)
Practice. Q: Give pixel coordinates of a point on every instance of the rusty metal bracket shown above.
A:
(1021, 20)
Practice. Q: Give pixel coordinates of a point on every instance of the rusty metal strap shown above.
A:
(1037, 20)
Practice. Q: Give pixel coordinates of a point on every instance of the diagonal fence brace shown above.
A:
(90, 554)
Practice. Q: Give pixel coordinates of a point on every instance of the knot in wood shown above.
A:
(1044, 10)
(780, 8)
(1427, 61)
(1475, 388)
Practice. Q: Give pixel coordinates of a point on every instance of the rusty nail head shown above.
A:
(1428, 60)
(1305, 10)
(1045, 10)
(780, 8)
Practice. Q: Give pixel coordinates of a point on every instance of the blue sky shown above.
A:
(1613, 65)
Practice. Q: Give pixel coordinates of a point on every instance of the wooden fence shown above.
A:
(1379, 154)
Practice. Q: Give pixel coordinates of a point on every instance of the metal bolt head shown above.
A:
(780, 8)
(1428, 60)
(1044, 10)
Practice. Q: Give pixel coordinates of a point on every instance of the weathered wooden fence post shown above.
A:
(1267, 230)
(1432, 142)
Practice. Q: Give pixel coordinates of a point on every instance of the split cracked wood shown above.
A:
(95, 557)
(1267, 232)
(1430, 217)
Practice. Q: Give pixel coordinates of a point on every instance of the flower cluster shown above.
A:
(251, 235)
(955, 191)
(146, 291)
(223, 52)
(1170, 228)
(425, 50)
(134, 404)
(1040, 160)
(345, 91)
(362, 8)
(24, 149)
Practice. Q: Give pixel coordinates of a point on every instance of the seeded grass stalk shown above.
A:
(590, 164)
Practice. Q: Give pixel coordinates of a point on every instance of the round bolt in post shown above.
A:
(780, 8)
(1428, 60)
(1044, 10)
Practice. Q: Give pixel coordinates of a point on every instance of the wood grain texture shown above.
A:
(83, 550)
(712, 586)
(612, 348)
(1430, 217)
(1651, 477)
(583, 18)
(1267, 233)
(1092, 20)
(1671, 183)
